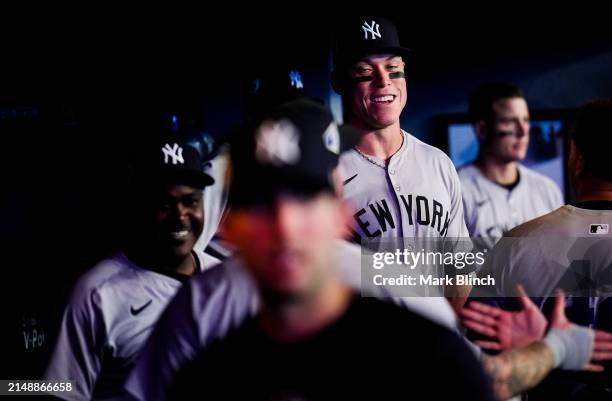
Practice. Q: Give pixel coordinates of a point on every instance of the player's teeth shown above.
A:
(383, 98)
(179, 234)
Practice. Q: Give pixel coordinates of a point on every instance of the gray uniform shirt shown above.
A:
(492, 210)
(416, 194)
(109, 317)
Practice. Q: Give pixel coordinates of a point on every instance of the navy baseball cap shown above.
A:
(272, 86)
(362, 36)
(293, 148)
(171, 159)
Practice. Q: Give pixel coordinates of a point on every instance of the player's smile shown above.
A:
(179, 235)
(383, 99)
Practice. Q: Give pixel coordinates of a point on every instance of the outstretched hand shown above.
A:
(506, 329)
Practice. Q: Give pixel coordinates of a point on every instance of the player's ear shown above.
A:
(481, 130)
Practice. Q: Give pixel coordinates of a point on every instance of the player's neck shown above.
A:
(185, 265)
(593, 189)
(382, 143)
(300, 320)
(496, 171)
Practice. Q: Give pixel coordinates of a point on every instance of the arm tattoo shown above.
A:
(518, 370)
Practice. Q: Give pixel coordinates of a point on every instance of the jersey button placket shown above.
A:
(391, 172)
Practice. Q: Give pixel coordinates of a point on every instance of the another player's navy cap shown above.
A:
(276, 84)
(293, 149)
(359, 37)
(171, 160)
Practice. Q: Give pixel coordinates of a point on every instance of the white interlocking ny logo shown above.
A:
(174, 152)
(277, 143)
(296, 79)
(372, 29)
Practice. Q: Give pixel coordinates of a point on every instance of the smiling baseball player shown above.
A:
(401, 189)
(114, 306)
(398, 185)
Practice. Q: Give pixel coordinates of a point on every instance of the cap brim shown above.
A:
(262, 187)
(193, 179)
(353, 55)
(399, 50)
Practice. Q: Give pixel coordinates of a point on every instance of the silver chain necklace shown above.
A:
(374, 161)
(371, 159)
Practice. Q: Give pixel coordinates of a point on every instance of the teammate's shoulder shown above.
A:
(535, 226)
(471, 180)
(430, 152)
(102, 272)
(543, 188)
(535, 177)
(226, 288)
(468, 170)
(348, 156)
(418, 144)
(96, 279)
(229, 275)
(525, 229)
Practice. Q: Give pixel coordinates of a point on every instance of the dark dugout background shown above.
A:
(77, 94)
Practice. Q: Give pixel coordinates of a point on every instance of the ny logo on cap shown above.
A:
(277, 143)
(373, 29)
(174, 152)
(296, 79)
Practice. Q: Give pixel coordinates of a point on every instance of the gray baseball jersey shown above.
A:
(416, 194)
(221, 298)
(569, 248)
(491, 209)
(109, 317)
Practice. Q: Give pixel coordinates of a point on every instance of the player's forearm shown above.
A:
(518, 370)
